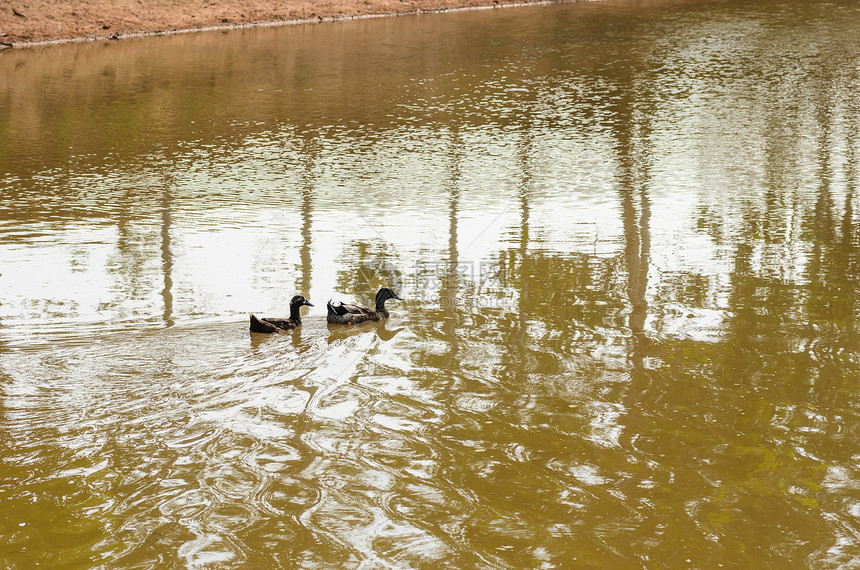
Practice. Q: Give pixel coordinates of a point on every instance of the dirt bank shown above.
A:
(25, 22)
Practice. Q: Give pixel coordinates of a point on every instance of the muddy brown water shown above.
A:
(625, 236)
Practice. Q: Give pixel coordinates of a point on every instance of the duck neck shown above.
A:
(295, 315)
(380, 305)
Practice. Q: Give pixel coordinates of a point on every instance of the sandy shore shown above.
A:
(28, 22)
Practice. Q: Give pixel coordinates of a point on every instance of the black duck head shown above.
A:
(385, 294)
(298, 301)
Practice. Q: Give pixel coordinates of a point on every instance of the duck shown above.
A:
(270, 325)
(344, 314)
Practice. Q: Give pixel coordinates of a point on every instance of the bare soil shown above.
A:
(24, 22)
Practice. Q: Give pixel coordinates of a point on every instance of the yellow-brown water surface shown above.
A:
(626, 239)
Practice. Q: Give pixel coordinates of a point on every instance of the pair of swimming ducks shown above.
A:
(338, 313)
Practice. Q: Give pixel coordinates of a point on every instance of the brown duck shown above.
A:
(342, 313)
(268, 325)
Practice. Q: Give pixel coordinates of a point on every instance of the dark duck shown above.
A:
(268, 325)
(345, 314)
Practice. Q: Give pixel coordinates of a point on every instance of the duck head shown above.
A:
(383, 295)
(299, 301)
(296, 303)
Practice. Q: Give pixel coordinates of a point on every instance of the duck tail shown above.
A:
(256, 325)
(336, 308)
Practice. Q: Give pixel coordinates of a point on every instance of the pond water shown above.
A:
(626, 241)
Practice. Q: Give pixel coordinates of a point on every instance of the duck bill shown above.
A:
(308, 304)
